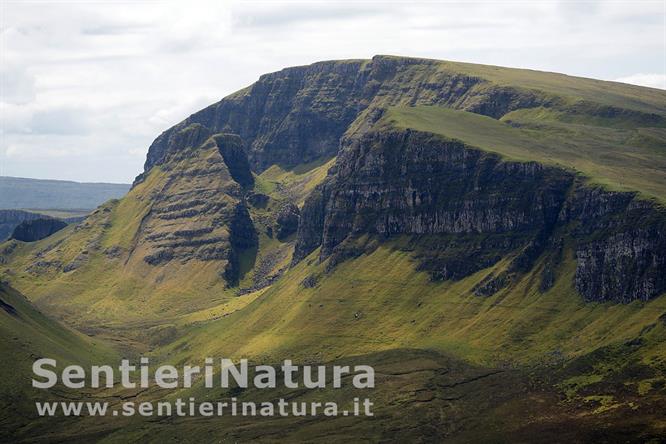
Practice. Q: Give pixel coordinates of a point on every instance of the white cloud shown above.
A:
(88, 85)
(17, 85)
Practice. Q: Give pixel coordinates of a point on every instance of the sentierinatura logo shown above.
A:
(169, 376)
(220, 373)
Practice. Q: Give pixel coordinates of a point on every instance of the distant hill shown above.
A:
(22, 193)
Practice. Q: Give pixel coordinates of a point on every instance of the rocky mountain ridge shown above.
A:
(229, 201)
(298, 114)
(389, 183)
(476, 209)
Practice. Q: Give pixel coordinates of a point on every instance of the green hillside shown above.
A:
(26, 333)
(379, 304)
(622, 95)
(379, 301)
(609, 151)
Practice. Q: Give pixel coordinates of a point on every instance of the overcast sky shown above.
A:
(86, 86)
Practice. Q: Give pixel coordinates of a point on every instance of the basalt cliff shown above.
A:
(474, 207)
(465, 210)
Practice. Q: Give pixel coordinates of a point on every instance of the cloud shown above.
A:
(177, 111)
(60, 121)
(18, 87)
(114, 29)
(288, 14)
(651, 80)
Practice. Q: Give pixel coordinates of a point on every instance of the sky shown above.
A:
(87, 85)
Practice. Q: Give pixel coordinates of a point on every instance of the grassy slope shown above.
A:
(379, 301)
(107, 291)
(623, 159)
(383, 315)
(573, 88)
(292, 184)
(110, 293)
(421, 396)
(25, 334)
(26, 330)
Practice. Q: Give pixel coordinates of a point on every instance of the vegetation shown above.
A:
(572, 89)
(604, 150)
(27, 333)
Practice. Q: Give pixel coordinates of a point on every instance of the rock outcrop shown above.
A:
(10, 219)
(472, 207)
(620, 245)
(199, 212)
(37, 229)
(233, 153)
(287, 220)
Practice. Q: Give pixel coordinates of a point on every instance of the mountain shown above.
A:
(493, 240)
(21, 193)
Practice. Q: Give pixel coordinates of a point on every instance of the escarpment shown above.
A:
(10, 219)
(470, 208)
(298, 114)
(466, 209)
(289, 118)
(239, 191)
(35, 229)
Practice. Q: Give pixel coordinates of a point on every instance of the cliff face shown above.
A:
(199, 212)
(9, 219)
(466, 209)
(620, 245)
(299, 114)
(36, 229)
